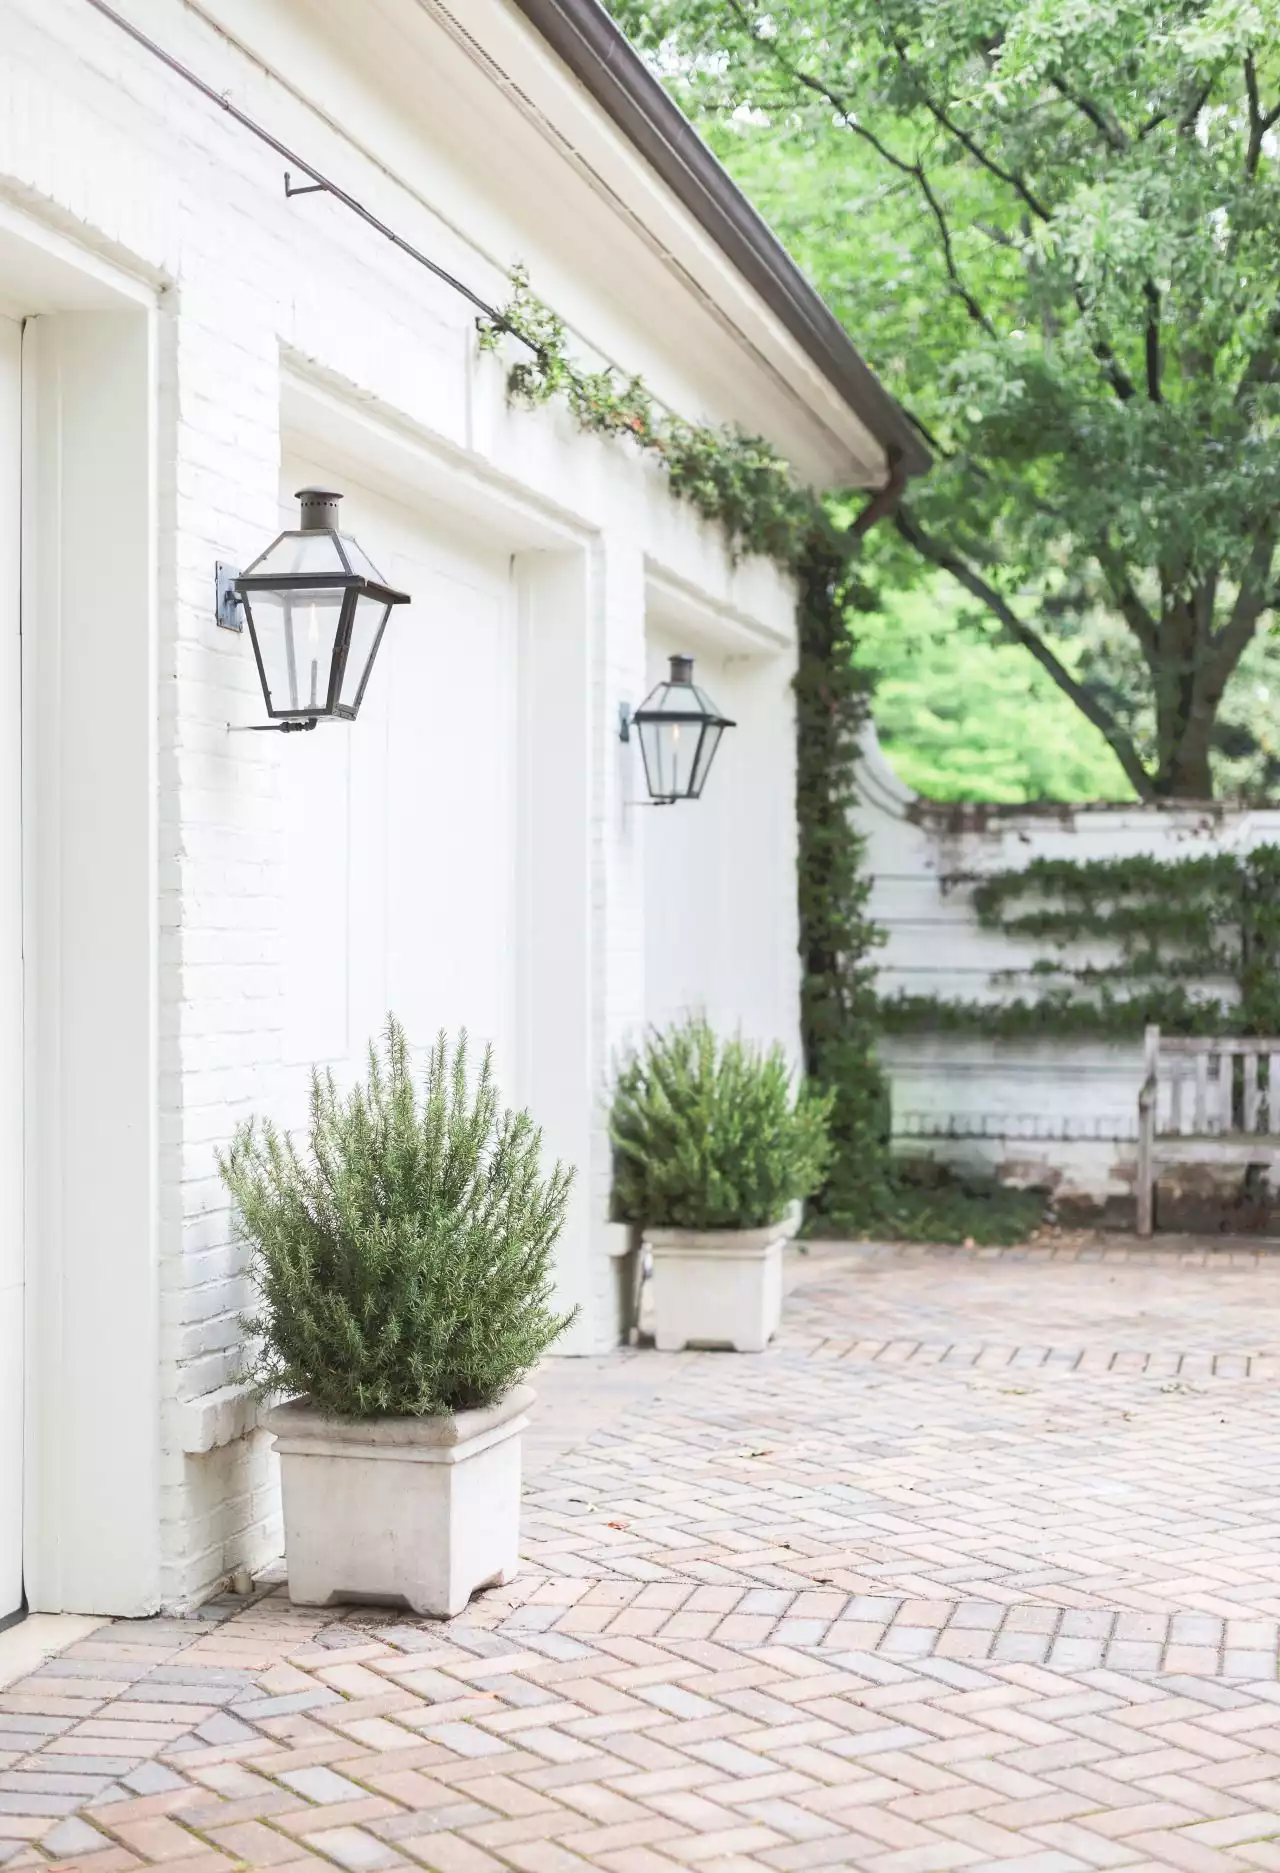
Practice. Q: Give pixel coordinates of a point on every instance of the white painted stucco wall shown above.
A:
(213, 908)
(1060, 1112)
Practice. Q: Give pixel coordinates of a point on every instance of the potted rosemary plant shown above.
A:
(402, 1261)
(713, 1146)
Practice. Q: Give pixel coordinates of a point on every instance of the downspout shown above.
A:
(884, 501)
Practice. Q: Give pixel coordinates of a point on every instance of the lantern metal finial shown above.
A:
(317, 510)
(679, 728)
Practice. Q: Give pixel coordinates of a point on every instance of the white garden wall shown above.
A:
(1052, 1112)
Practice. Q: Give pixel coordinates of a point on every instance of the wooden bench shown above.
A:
(1205, 1102)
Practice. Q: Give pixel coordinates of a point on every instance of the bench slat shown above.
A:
(1205, 1044)
(1209, 1066)
(1228, 1148)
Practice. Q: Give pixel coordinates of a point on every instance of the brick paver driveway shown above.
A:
(978, 1567)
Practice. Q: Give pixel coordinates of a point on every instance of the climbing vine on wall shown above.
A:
(731, 477)
(837, 937)
(1192, 943)
(740, 482)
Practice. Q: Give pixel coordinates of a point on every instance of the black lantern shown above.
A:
(317, 607)
(680, 729)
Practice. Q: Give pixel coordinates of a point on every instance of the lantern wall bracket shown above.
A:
(271, 728)
(227, 605)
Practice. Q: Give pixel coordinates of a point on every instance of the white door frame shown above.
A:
(92, 916)
(12, 1243)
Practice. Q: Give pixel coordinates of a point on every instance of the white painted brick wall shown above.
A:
(104, 144)
(618, 885)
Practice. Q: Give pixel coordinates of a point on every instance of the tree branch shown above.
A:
(1135, 614)
(1088, 705)
(1260, 121)
(1114, 136)
(1255, 114)
(968, 142)
(923, 430)
(1261, 368)
(1114, 372)
(1108, 129)
(1151, 293)
(1191, 116)
(998, 236)
(1228, 645)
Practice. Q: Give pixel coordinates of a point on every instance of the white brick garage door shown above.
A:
(399, 831)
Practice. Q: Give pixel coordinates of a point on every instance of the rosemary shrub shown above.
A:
(713, 1135)
(402, 1259)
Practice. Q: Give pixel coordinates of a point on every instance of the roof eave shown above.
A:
(605, 63)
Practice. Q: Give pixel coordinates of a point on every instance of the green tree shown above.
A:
(962, 715)
(1054, 227)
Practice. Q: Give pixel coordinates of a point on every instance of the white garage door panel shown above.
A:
(316, 782)
(720, 931)
(400, 829)
(451, 831)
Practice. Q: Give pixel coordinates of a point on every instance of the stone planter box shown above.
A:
(718, 1287)
(411, 1511)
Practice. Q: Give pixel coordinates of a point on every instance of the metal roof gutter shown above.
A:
(603, 60)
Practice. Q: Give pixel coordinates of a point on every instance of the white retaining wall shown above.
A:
(1057, 1111)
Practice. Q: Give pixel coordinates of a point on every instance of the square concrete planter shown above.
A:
(400, 1511)
(719, 1287)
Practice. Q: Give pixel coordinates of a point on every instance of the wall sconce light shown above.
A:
(317, 607)
(679, 728)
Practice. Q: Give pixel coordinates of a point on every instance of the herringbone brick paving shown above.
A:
(977, 1568)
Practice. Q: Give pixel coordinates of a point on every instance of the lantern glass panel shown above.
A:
(295, 634)
(361, 564)
(366, 629)
(298, 554)
(706, 754)
(670, 751)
